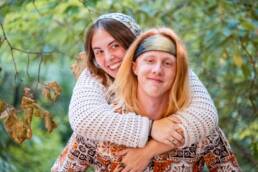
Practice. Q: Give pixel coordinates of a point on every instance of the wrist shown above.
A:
(148, 151)
(152, 148)
(151, 125)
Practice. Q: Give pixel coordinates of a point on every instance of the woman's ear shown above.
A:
(134, 66)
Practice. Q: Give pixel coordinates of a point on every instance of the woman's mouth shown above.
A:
(114, 66)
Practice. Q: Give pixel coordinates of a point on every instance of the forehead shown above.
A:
(101, 38)
(157, 54)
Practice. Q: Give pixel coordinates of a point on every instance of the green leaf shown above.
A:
(90, 3)
(2, 2)
(227, 31)
(72, 10)
(232, 23)
(248, 25)
(246, 71)
(1, 19)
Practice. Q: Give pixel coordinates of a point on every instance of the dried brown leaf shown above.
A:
(79, 64)
(49, 123)
(16, 128)
(28, 93)
(20, 129)
(46, 92)
(2, 106)
(51, 91)
(27, 102)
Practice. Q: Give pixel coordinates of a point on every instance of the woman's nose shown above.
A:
(109, 56)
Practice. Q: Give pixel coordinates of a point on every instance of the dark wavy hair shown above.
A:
(118, 31)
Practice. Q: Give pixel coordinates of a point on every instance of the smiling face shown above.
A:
(155, 71)
(108, 52)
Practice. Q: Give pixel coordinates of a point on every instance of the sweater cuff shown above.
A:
(186, 131)
(146, 127)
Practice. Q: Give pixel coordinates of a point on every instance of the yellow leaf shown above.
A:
(238, 60)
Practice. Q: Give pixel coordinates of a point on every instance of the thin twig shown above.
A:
(18, 49)
(252, 85)
(36, 8)
(252, 60)
(28, 65)
(31, 52)
(90, 11)
(11, 48)
(40, 62)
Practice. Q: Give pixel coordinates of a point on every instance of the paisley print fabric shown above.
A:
(214, 151)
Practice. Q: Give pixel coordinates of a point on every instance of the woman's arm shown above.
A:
(198, 119)
(201, 117)
(91, 116)
(69, 159)
(137, 159)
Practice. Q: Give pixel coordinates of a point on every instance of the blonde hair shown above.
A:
(125, 85)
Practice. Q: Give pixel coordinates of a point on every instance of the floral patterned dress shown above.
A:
(214, 151)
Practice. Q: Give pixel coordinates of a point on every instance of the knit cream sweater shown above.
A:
(92, 117)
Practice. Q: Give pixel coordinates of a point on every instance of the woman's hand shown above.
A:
(134, 159)
(168, 131)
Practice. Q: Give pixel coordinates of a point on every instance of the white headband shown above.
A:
(128, 21)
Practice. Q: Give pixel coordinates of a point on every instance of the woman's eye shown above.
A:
(97, 52)
(115, 45)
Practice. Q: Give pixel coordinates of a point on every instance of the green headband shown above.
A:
(156, 43)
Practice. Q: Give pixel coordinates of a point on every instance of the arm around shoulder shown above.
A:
(200, 117)
(91, 116)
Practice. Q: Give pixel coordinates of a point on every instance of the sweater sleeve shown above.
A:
(200, 117)
(91, 116)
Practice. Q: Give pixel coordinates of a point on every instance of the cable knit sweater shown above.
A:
(92, 117)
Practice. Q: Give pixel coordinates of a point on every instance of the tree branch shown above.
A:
(36, 8)
(11, 48)
(90, 11)
(40, 62)
(252, 85)
(28, 65)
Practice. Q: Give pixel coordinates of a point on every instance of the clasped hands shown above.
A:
(166, 133)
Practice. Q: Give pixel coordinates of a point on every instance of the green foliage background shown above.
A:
(43, 37)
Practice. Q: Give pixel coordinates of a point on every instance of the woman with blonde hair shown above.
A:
(156, 85)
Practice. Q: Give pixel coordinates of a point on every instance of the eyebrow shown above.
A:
(107, 45)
